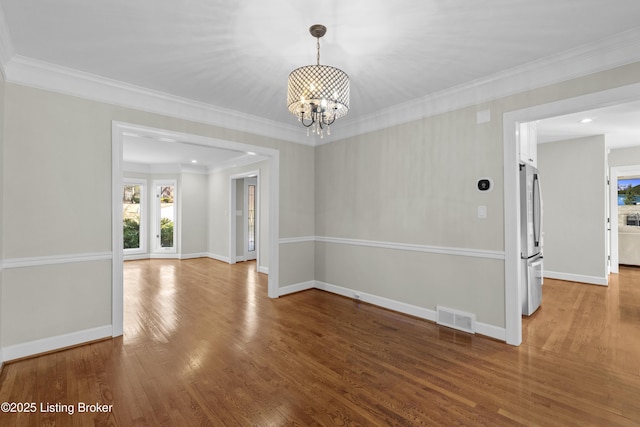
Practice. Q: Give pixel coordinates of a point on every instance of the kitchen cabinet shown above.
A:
(528, 141)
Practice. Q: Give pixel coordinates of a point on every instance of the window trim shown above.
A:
(156, 246)
(143, 216)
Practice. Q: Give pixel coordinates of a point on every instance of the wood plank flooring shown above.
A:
(205, 346)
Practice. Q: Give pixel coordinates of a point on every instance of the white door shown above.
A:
(250, 217)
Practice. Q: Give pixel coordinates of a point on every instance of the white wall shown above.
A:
(573, 180)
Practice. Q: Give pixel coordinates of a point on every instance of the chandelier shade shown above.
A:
(318, 94)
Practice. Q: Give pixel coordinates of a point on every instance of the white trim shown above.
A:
(6, 44)
(44, 345)
(136, 257)
(193, 256)
(233, 230)
(143, 223)
(401, 307)
(43, 75)
(117, 267)
(298, 287)
(618, 50)
(248, 181)
(615, 51)
(304, 239)
(263, 270)
(619, 95)
(54, 259)
(156, 216)
(475, 253)
(615, 173)
(118, 130)
(593, 280)
(413, 310)
(217, 257)
(491, 331)
(274, 224)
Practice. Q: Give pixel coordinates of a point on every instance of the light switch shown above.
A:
(482, 212)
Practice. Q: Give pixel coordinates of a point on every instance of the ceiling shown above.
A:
(620, 123)
(237, 55)
(157, 153)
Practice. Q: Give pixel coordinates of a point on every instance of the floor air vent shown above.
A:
(456, 319)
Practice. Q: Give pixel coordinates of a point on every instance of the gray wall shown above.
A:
(57, 198)
(625, 156)
(573, 181)
(412, 185)
(2, 113)
(396, 209)
(194, 218)
(218, 238)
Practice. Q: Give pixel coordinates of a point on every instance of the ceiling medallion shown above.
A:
(318, 94)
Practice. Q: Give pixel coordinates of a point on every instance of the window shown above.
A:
(133, 216)
(165, 216)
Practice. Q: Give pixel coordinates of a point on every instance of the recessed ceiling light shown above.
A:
(194, 161)
(251, 153)
(586, 120)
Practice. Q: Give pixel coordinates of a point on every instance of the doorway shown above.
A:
(511, 122)
(244, 224)
(623, 218)
(119, 131)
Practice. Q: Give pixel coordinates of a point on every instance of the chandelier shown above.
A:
(318, 94)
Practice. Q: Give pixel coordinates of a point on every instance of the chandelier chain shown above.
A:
(318, 49)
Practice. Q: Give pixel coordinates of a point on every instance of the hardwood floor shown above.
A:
(204, 345)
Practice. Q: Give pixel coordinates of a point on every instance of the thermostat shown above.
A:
(484, 184)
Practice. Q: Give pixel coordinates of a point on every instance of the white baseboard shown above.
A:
(402, 307)
(218, 257)
(413, 310)
(193, 256)
(168, 255)
(44, 345)
(491, 331)
(592, 280)
(285, 290)
(263, 269)
(135, 257)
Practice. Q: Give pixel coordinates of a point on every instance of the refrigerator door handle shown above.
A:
(536, 210)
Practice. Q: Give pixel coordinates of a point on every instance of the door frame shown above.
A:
(118, 132)
(233, 230)
(510, 123)
(156, 250)
(256, 218)
(616, 172)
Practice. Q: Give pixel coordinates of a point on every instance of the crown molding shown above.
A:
(6, 44)
(43, 75)
(615, 51)
(618, 50)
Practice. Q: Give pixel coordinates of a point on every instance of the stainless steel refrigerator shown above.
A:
(531, 239)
